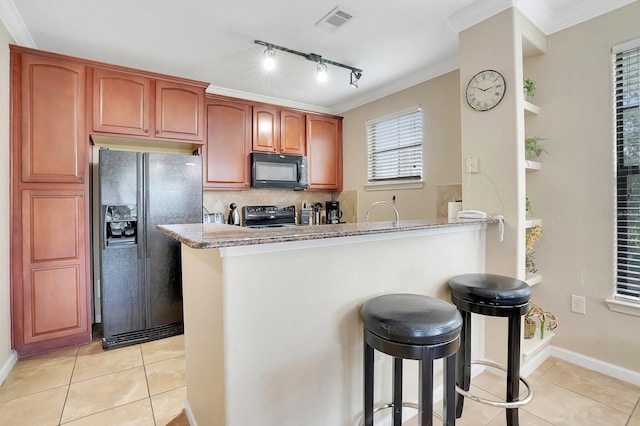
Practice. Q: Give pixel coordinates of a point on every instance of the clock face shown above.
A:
(485, 90)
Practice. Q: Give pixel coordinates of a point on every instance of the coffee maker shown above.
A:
(333, 212)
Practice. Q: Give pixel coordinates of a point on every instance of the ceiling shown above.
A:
(396, 43)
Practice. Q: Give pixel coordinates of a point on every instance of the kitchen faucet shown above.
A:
(397, 221)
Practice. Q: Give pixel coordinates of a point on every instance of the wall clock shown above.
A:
(485, 90)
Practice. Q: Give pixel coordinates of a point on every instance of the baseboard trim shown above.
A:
(612, 370)
(189, 413)
(535, 361)
(8, 366)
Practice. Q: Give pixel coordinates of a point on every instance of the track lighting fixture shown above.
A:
(322, 72)
(269, 59)
(354, 78)
(321, 63)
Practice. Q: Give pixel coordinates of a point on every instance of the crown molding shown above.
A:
(538, 12)
(442, 67)
(15, 25)
(477, 12)
(588, 9)
(223, 91)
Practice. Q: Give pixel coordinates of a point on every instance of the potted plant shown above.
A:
(533, 234)
(529, 88)
(547, 321)
(532, 147)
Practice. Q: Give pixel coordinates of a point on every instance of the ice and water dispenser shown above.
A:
(120, 225)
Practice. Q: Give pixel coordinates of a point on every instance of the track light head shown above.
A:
(322, 72)
(354, 79)
(269, 58)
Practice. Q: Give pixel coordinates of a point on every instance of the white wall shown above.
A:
(574, 191)
(441, 108)
(6, 356)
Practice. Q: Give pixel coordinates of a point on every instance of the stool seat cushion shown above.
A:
(412, 318)
(490, 289)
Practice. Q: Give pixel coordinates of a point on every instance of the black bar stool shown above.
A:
(411, 326)
(499, 296)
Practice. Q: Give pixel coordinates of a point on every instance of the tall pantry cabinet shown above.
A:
(49, 204)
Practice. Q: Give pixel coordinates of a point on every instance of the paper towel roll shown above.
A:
(453, 208)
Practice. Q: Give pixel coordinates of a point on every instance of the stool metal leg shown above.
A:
(425, 397)
(513, 367)
(368, 384)
(449, 379)
(397, 391)
(463, 374)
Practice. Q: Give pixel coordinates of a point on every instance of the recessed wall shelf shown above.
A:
(531, 109)
(530, 223)
(532, 166)
(532, 279)
(531, 347)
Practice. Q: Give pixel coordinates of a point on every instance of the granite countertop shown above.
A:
(214, 235)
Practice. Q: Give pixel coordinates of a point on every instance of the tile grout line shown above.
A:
(66, 397)
(146, 379)
(591, 399)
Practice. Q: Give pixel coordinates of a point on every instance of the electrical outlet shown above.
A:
(472, 164)
(578, 304)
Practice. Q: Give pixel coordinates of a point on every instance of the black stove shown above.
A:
(268, 216)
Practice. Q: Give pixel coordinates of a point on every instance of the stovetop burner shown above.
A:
(268, 216)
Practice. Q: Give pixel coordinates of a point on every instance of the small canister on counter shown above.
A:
(306, 214)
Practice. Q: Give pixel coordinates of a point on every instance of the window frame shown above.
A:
(395, 182)
(625, 218)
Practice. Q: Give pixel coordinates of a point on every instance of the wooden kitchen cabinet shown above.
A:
(138, 105)
(228, 144)
(278, 130)
(54, 288)
(292, 132)
(49, 206)
(53, 146)
(324, 151)
(179, 111)
(121, 103)
(266, 129)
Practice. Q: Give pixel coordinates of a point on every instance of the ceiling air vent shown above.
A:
(334, 19)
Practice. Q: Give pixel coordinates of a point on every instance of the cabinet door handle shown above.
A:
(146, 131)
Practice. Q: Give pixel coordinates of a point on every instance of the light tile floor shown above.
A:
(144, 385)
(135, 385)
(564, 395)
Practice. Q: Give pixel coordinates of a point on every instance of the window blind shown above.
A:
(394, 147)
(627, 137)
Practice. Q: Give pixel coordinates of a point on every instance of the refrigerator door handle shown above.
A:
(104, 228)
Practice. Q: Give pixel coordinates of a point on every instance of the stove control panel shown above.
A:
(266, 212)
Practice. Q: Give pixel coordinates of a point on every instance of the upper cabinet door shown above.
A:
(324, 150)
(179, 111)
(121, 103)
(266, 129)
(226, 152)
(292, 132)
(53, 115)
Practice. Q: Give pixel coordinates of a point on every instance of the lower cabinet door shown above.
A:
(51, 300)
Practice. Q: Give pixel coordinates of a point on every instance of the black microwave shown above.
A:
(278, 171)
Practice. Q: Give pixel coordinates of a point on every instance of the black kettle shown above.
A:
(234, 216)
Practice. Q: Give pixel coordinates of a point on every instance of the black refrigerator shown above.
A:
(140, 273)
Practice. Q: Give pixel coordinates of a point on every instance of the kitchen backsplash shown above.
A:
(219, 201)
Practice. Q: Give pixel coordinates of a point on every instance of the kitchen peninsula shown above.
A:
(272, 327)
